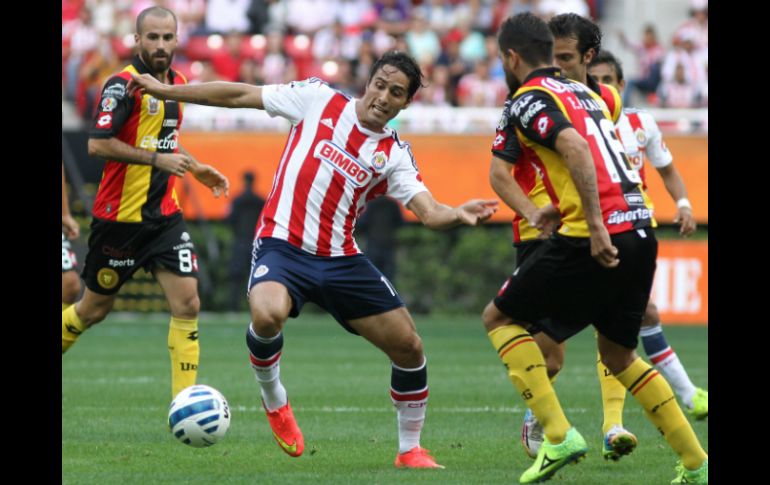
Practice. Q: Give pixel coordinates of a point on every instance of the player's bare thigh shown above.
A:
(269, 304)
(394, 333)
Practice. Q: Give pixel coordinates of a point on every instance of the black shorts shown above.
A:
(69, 261)
(348, 287)
(562, 288)
(117, 249)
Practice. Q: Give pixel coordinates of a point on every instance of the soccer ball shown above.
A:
(531, 434)
(199, 416)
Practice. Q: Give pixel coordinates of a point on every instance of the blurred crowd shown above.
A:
(265, 42)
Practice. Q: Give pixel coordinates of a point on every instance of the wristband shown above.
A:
(683, 202)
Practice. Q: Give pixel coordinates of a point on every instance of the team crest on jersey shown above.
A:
(380, 159)
(641, 136)
(261, 271)
(153, 106)
(107, 278)
(109, 103)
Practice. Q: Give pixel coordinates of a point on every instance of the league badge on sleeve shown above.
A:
(109, 103)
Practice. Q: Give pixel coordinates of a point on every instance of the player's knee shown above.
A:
(492, 317)
(617, 362)
(70, 289)
(651, 315)
(266, 321)
(187, 307)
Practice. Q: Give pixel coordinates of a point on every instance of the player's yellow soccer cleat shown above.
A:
(417, 457)
(550, 458)
(700, 404)
(618, 442)
(285, 430)
(699, 476)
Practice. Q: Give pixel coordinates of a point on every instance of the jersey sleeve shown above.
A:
(537, 116)
(113, 110)
(292, 100)
(657, 151)
(506, 144)
(405, 181)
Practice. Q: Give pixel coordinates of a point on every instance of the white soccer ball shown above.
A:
(199, 416)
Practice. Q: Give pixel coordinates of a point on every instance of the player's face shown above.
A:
(157, 42)
(569, 60)
(605, 74)
(511, 80)
(386, 95)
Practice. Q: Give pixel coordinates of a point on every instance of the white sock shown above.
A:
(268, 372)
(668, 363)
(410, 411)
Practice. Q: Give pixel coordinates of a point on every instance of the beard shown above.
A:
(157, 64)
(511, 81)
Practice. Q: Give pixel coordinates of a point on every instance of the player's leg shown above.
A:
(667, 362)
(183, 344)
(70, 288)
(395, 334)
(270, 304)
(77, 318)
(655, 395)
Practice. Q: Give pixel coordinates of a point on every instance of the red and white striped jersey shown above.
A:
(330, 167)
(641, 136)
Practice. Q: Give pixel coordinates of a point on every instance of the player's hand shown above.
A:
(602, 249)
(145, 83)
(476, 211)
(173, 163)
(685, 220)
(70, 227)
(212, 178)
(547, 219)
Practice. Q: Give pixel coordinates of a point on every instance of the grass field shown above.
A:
(116, 392)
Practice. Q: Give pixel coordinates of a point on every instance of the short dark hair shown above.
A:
(154, 11)
(606, 57)
(587, 33)
(528, 36)
(404, 63)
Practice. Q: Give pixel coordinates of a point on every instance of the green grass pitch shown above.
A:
(116, 392)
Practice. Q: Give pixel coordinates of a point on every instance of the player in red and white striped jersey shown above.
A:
(641, 137)
(339, 154)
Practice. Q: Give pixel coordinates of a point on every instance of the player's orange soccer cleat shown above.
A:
(285, 430)
(416, 458)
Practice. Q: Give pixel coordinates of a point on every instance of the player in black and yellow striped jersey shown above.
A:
(596, 269)
(137, 219)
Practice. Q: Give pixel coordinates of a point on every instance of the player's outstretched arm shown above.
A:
(675, 187)
(577, 157)
(436, 215)
(208, 175)
(217, 93)
(501, 179)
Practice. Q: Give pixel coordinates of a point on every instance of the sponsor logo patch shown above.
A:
(104, 121)
(109, 103)
(543, 124)
(343, 163)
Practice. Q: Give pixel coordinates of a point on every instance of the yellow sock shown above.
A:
(656, 397)
(184, 349)
(71, 327)
(526, 369)
(613, 396)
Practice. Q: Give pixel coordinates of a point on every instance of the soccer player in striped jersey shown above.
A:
(137, 219)
(339, 154)
(597, 268)
(641, 137)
